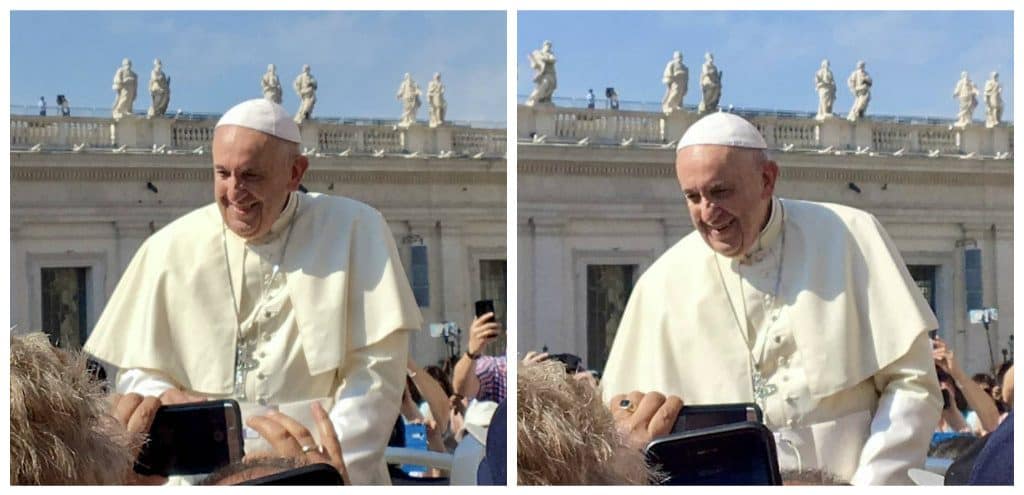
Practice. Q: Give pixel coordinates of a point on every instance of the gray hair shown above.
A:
(61, 430)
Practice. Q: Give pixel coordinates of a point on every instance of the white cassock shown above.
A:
(331, 322)
(850, 383)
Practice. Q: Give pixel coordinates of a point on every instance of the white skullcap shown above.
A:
(265, 116)
(724, 129)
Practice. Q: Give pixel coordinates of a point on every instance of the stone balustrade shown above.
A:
(596, 127)
(66, 133)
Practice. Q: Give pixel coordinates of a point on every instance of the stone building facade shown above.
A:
(86, 192)
(598, 202)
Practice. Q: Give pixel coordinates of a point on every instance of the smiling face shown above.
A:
(253, 175)
(728, 192)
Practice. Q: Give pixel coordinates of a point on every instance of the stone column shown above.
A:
(309, 134)
(1002, 286)
(526, 328)
(454, 277)
(552, 293)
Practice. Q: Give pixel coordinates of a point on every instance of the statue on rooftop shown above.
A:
(409, 94)
(676, 79)
(710, 85)
(825, 83)
(860, 85)
(126, 83)
(993, 101)
(544, 79)
(271, 85)
(159, 90)
(435, 96)
(966, 94)
(305, 86)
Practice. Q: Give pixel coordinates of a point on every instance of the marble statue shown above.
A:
(409, 95)
(993, 101)
(543, 63)
(676, 79)
(710, 85)
(966, 94)
(271, 85)
(860, 85)
(126, 83)
(159, 89)
(305, 86)
(825, 83)
(435, 96)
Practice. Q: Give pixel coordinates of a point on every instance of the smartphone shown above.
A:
(313, 474)
(484, 306)
(732, 454)
(705, 416)
(194, 438)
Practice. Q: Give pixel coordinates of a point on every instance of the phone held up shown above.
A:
(709, 415)
(485, 306)
(196, 438)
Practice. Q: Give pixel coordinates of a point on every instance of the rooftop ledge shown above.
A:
(783, 131)
(320, 138)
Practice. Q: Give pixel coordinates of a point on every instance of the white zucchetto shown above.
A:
(265, 116)
(723, 129)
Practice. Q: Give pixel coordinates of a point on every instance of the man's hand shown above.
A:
(290, 439)
(945, 359)
(483, 330)
(534, 357)
(178, 396)
(641, 417)
(136, 414)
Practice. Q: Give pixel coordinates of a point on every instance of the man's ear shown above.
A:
(769, 174)
(299, 166)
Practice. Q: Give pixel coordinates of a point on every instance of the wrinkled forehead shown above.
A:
(700, 165)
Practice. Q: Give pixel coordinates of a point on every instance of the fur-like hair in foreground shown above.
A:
(61, 430)
(567, 436)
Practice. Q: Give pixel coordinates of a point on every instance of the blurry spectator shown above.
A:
(42, 106)
(590, 98)
(65, 105)
(1005, 379)
(994, 465)
(566, 436)
(477, 376)
(491, 470)
(613, 99)
(62, 429)
(953, 404)
(981, 414)
(989, 385)
(952, 448)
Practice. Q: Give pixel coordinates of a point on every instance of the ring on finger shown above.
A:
(309, 448)
(627, 405)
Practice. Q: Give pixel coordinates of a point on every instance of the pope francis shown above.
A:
(268, 296)
(804, 308)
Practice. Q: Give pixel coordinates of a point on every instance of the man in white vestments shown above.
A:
(268, 296)
(806, 309)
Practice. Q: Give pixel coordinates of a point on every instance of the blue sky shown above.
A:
(216, 59)
(768, 59)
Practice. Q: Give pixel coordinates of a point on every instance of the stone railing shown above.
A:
(559, 125)
(62, 132)
(169, 134)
